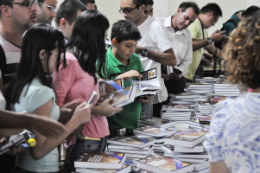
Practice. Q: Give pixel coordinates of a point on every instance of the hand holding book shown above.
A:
(129, 75)
(106, 109)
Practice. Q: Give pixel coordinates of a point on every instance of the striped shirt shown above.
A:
(12, 55)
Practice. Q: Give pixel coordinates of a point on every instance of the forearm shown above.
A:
(212, 50)
(9, 132)
(96, 110)
(46, 145)
(163, 58)
(198, 44)
(15, 120)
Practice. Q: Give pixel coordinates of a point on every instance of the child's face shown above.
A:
(126, 49)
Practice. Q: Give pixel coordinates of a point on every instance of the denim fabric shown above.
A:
(20, 170)
(90, 146)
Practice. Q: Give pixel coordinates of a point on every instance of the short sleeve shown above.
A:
(194, 30)
(39, 97)
(228, 28)
(65, 78)
(214, 140)
(161, 38)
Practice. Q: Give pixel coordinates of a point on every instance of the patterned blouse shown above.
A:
(235, 134)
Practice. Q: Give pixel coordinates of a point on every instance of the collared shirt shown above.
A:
(131, 114)
(155, 38)
(181, 42)
(13, 56)
(196, 33)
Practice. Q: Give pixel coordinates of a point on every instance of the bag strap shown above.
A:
(2, 62)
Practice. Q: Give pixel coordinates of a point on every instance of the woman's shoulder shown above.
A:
(36, 88)
(70, 58)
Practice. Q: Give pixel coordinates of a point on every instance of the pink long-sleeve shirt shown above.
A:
(74, 83)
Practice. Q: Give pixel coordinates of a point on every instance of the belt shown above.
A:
(82, 136)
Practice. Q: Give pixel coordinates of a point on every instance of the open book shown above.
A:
(148, 85)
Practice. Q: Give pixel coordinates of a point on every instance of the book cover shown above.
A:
(131, 140)
(154, 130)
(164, 163)
(117, 96)
(101, 157)
(188, 135)
(108, 87)
(204, 119)
(217, 99)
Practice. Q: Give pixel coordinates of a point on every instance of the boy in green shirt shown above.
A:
(122, 62)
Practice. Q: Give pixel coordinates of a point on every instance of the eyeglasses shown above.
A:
(25, 3)
(52, 8)
(127, 10)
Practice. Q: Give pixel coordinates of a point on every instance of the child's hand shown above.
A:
(128, 75)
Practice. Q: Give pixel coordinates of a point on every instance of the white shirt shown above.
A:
(155, 38)
(235, 133)
(181, 42)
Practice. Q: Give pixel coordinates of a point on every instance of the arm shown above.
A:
(218, 167)
(46, 145)
(1, 82)
(9, 132)
(215, 37)
(212, 50)
(43, 125)
(167, 57)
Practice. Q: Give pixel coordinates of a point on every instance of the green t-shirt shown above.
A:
(130, 115)
(229, 27)
(196, 33)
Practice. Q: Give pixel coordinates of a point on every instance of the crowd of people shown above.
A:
(47, 74)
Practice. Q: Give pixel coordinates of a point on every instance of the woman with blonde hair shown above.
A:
(233, 143)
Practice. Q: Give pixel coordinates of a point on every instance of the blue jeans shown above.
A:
(89, 146)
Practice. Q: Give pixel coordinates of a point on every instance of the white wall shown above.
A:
(110, 9)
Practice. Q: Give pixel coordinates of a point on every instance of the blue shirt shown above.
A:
(37, 95)
(235, 134)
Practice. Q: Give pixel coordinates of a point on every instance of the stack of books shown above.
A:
(216, 99)
(162, 164)
(188, 146)
(206, 108)
(198, 126)
(151, 131)
(102, 162)
(133, 147)
(158, 122)
(200, 88)
(225, 89)
(176, 112)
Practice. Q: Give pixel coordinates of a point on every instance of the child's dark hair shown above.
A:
(125, 30)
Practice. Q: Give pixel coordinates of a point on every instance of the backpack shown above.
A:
(220, 43)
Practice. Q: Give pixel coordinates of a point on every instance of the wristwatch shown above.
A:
(144, 53)
(209, 41)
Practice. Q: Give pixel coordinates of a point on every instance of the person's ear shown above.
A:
(114, 42)
(143, 8)
(5, 10)
(42, 55)
(63, 23)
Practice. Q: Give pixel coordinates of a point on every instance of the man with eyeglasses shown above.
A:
(208, 16)
(16, 16)
(149, 8)
(154, 47)
(46, 11)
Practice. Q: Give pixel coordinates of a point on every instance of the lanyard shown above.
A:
(202, 29)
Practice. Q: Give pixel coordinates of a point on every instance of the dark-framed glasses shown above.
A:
(25, 3)
(127, 10)
(50, 7)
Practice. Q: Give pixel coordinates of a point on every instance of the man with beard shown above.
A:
(16, 16)
(46, 11)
